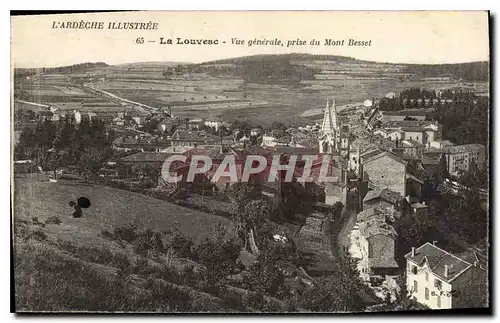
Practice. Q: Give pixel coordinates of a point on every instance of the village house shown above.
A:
(139, 119)
(419, 210)
(167, 124)
(24, 166)
(119, 121)
(337, 191)
(140, 143)
(141, 159)
(441, 144)
(345, 141)
(61, 115)
(357, 148)
(412, 149)
(372, 243)
(424, 132)
(192, 138)
(214, 122)
(227, 140)
(400, 115)
(256, 132)
(384, 170)
(385, 199)
(272, 138)
(442, 280)
(391, 134)
(195, 123)
(460, 158)
(104, 116)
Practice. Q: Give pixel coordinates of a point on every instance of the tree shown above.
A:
(255, 214)
(342, 291)
(64, 133)
(218, 254)
(52, 161)
(91, 161)
(292, 199)
(403, 301)
(265, 277)
(278, 126)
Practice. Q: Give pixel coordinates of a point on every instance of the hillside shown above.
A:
(272, 57)
(111, 208)
(76, 68)
(471, 71)
(474, 71)
(79, 265)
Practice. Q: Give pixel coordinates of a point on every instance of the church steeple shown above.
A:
(330, 118)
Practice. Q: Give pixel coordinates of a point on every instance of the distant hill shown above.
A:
(272, 57)
(82, 67)
(151, 64)
(272, 66)
(474, 71)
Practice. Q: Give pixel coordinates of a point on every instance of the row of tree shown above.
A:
(57, 144)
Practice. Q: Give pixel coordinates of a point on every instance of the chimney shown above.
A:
(434, 242)
(413, 251)
(475, 263)
(446, 270)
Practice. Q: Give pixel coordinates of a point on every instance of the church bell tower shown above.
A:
(329, 133)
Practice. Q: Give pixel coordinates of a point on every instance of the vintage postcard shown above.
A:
(251, 162)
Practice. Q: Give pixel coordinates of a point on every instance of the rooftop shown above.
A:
(193, 135)
(411, 125)
(384, 154)
(376, 226)
(384, 194)
(436, 258)
(463, 148)
(382, 263)
(408, 143)
(430, 160)
(418, 206)
(147, 157)
(140, 141)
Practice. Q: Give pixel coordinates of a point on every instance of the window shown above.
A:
(414, 270)
(438, 301)
(438, 284)
(426, 277)
(427, 293)
(415, 286)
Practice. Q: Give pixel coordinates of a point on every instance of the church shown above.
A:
(333, 138)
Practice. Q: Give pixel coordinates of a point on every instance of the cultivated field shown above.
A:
(200, 94)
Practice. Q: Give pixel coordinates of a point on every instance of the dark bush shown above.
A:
(53, 220)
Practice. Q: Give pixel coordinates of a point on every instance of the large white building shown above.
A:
(441, 280)
(460, 158)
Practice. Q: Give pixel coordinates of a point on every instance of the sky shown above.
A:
(424, 37)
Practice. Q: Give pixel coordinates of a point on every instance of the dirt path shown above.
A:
(349, 222)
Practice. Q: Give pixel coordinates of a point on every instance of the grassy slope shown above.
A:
(110, 208)
(70, 266)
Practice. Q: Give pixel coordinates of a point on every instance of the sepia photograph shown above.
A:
(179, 162)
